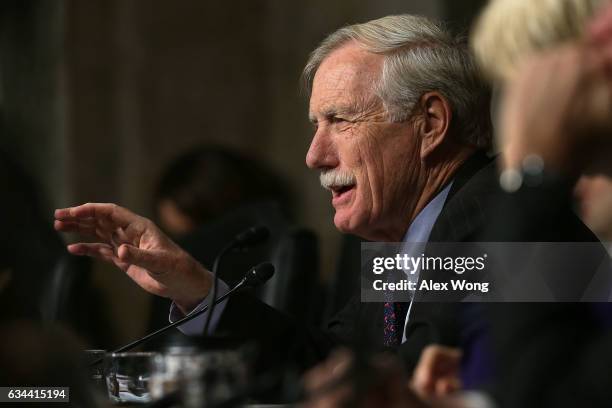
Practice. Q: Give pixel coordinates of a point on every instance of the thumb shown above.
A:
(154, 260)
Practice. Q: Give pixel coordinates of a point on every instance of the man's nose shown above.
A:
(321, 153)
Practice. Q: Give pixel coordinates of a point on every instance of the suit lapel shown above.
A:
(461, 219)
(463, 212)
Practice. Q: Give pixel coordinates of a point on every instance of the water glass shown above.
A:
(127, 376)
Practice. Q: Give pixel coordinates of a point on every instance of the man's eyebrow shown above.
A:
(333, 111)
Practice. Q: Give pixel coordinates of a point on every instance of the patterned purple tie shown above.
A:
(395, 314)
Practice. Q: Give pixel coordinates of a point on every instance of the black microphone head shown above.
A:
(252, 236)
(259, 274)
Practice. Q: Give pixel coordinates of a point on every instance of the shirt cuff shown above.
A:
(195, 327)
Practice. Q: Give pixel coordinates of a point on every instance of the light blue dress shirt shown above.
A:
(419, 232)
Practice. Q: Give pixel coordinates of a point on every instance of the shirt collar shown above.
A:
(422, 225)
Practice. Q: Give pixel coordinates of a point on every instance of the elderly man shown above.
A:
(401, 119)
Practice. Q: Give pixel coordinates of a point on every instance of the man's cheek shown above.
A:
(353, 150)
(362, 202)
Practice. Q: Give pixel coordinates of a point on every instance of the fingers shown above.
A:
(423, 382)
(437, 372)
(154, 260)
(446, 386)
(442, 361)
(108, 223)
(150, 262)
(327, 372)
(100, 251)
(100, 230)
(85, 227)
(324, 383)
(119, 216)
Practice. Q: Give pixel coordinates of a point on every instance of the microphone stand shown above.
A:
(255, 276)
(215, 273)
(246, 238)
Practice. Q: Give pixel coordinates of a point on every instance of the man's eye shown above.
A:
(336, 119)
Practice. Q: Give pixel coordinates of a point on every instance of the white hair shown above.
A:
(420, 56)
(509, 30)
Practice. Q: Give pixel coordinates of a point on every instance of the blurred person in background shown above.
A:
(568, 137)
(208, 182)
(552, 63)
(557, 112)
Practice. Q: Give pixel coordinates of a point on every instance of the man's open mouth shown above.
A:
(340, 192)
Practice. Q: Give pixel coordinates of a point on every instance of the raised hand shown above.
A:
(136, 246)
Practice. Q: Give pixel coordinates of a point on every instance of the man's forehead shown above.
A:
(343, 78)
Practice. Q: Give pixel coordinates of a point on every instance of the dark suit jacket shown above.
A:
(285, 341)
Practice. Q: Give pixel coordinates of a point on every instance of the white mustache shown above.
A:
(336, 178)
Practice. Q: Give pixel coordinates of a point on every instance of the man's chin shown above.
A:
(346, 222)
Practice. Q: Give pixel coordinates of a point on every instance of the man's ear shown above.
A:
(436, 116)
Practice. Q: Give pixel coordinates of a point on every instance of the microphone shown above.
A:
(248, 237)
(256, 276)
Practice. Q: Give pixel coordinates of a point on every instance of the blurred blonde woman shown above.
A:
(552, 62)
(511, 33)
(507, 31)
